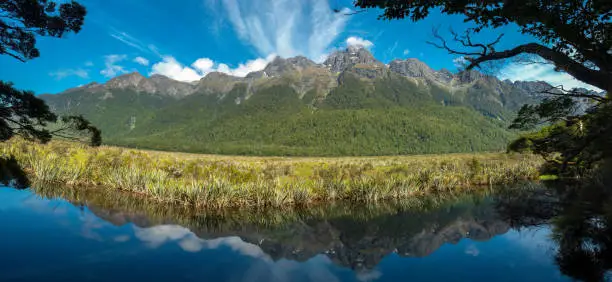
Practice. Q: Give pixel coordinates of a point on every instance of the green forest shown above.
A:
(390, 115)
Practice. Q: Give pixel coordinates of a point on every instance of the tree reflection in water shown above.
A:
(580, 219)
(578, 215)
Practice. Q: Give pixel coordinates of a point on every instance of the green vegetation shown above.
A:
(390, 117)
(22, 113)
(572, 145)
(218, 181)
(574, 36)
(233, 220)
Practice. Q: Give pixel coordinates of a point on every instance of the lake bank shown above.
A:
(222, 181)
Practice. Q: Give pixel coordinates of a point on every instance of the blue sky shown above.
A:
(186, 39)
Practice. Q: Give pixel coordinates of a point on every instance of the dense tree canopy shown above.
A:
(573, 35)
(22, 113)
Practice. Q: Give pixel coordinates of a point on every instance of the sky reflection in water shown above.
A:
(54, 240)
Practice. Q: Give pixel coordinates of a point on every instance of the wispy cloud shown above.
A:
(141, 61)
(63, 73)
(112, 68)
(406, 52)
(133, 42)
(171, 68)
(285, 27)
(541, 72)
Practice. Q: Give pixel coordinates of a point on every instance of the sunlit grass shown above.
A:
(226, 181)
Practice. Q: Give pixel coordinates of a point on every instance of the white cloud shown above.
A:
(63, 73)
(261, 268)
(112, 69)
(141, 61)
(541, 72)
(285, 27)
(460, 62)
(204, 65)
(89, 64)
(171, 68)
(406, 52)
(158, 235)
(358, 41)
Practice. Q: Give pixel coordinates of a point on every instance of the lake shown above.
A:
(54, 234)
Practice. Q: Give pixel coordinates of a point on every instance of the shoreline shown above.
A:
(210, 181)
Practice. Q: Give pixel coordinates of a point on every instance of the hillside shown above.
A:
(351, 104)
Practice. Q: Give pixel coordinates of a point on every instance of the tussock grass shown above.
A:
(226, 181)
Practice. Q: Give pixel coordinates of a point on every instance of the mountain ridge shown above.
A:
(351, 104)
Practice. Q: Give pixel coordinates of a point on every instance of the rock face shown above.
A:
(280, 66)
(411, 68)
(469, 76)
(342, 60)
(486, 94)
(167, 86)
(156, 84)
(216, 82)
(304, 75)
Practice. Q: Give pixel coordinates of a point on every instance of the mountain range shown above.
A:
(351, 104)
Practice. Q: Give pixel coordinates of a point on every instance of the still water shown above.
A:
(70, 235)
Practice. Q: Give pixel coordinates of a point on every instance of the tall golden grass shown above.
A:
(226, 181)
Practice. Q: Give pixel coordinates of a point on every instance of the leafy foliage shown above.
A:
(573, 35)
(572, 145)
(21, 113)
(22, 20)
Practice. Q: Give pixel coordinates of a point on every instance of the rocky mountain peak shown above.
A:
(468, 76)
(217, 82)
(279, 66)
(342, 60)
(158, 77)
(411, 68)
(217, 75)
(133, 79)
(301, 62)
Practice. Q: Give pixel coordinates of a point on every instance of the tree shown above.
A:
(22, 20)
(573, 35)
(22, 113)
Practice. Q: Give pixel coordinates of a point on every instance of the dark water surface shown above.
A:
(76, 235)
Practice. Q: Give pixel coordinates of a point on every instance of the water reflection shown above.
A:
(581, 218)
(531, 234)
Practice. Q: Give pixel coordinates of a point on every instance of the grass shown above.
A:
(232, 181)
(231, 220)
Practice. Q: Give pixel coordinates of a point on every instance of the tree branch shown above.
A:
(15, 56)
(572, 93)
(561, 61)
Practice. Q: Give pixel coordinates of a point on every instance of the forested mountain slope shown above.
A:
(351, 104)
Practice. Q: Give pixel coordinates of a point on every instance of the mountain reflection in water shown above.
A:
(529, 234)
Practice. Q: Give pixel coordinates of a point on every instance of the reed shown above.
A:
(229, 181)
